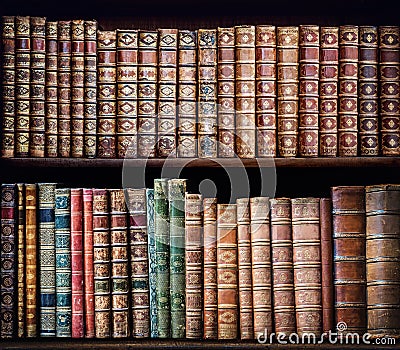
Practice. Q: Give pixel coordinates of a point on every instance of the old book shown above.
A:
(194, 265)
(288, 90)
(187, 94)
(167, 82)
(382, 260)
(266, 90)
(282, 266)
(47, 260)
(147, 94)
(389, 96)
(226, 92)
(368, 91)
(309, 90)
(106, 93)
(307, 265)
(127, 75)
(348, 91)
(21, 261)
(328, 91)
(207, 93)
(63, 262)
(349, 278)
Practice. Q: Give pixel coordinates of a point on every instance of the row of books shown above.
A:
(165, 263)
(72, 90)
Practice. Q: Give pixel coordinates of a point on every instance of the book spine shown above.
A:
(47, 259)
(266, 90)
(21, 262)
(147, 94)
(226, 92)
(127, 75)
(349, 276)
(328, 91)
(187, 94)
(382, 260)
(63, 262)
(368, 91)
(389, 95)
(288, 91)
(307, 265)
(194, 265)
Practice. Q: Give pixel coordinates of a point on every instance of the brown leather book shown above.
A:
(288, 90)
(348, 203)
(348, 91)
(382, 260)
(21, 262)
(389, 95)
(328, 91)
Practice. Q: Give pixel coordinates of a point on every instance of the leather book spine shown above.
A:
(90, 89)
(8, 258)
(309, 90)
(389, 95)
(307, 265)
(47, 262)
(207, 93)
(147, 94)
(348, 91)
(21, 293)
(244, 269)
(22, 85)
(226, 92)
(266, 90)
(187, 94)
(282, 267)
(106, 93)
(210, 290)
(8, 86)
(127, 75)
(51, 90)
(368, 91)
(194, 265)
(349, 276)
(382, 260)
(328, 91)
(63, 262)
(119, 265)
(167, 92)
(288, 90)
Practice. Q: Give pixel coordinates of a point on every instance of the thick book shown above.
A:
(21, 309)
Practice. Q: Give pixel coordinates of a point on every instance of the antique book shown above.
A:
(245, 91)
(348, 91)
(90, 89)
(207, 93)
(368, 91)
(226, 92)
(308, 90)
(307, 265)
(194, 265)
(106, 93)
(47, 260)
(389, 95)
(147, 94)
(63, 262)
(127, 75)
(282, 266)
(8, 259)
(382, 260)
(21, 261)
(266, 90)
(210, 291)
(245, 282)
(167, 82)
(187, 94)
(288, 90)
(349, 278)
(328, 91)
(176, 204)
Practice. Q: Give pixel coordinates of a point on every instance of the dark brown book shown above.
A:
(21, 262)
